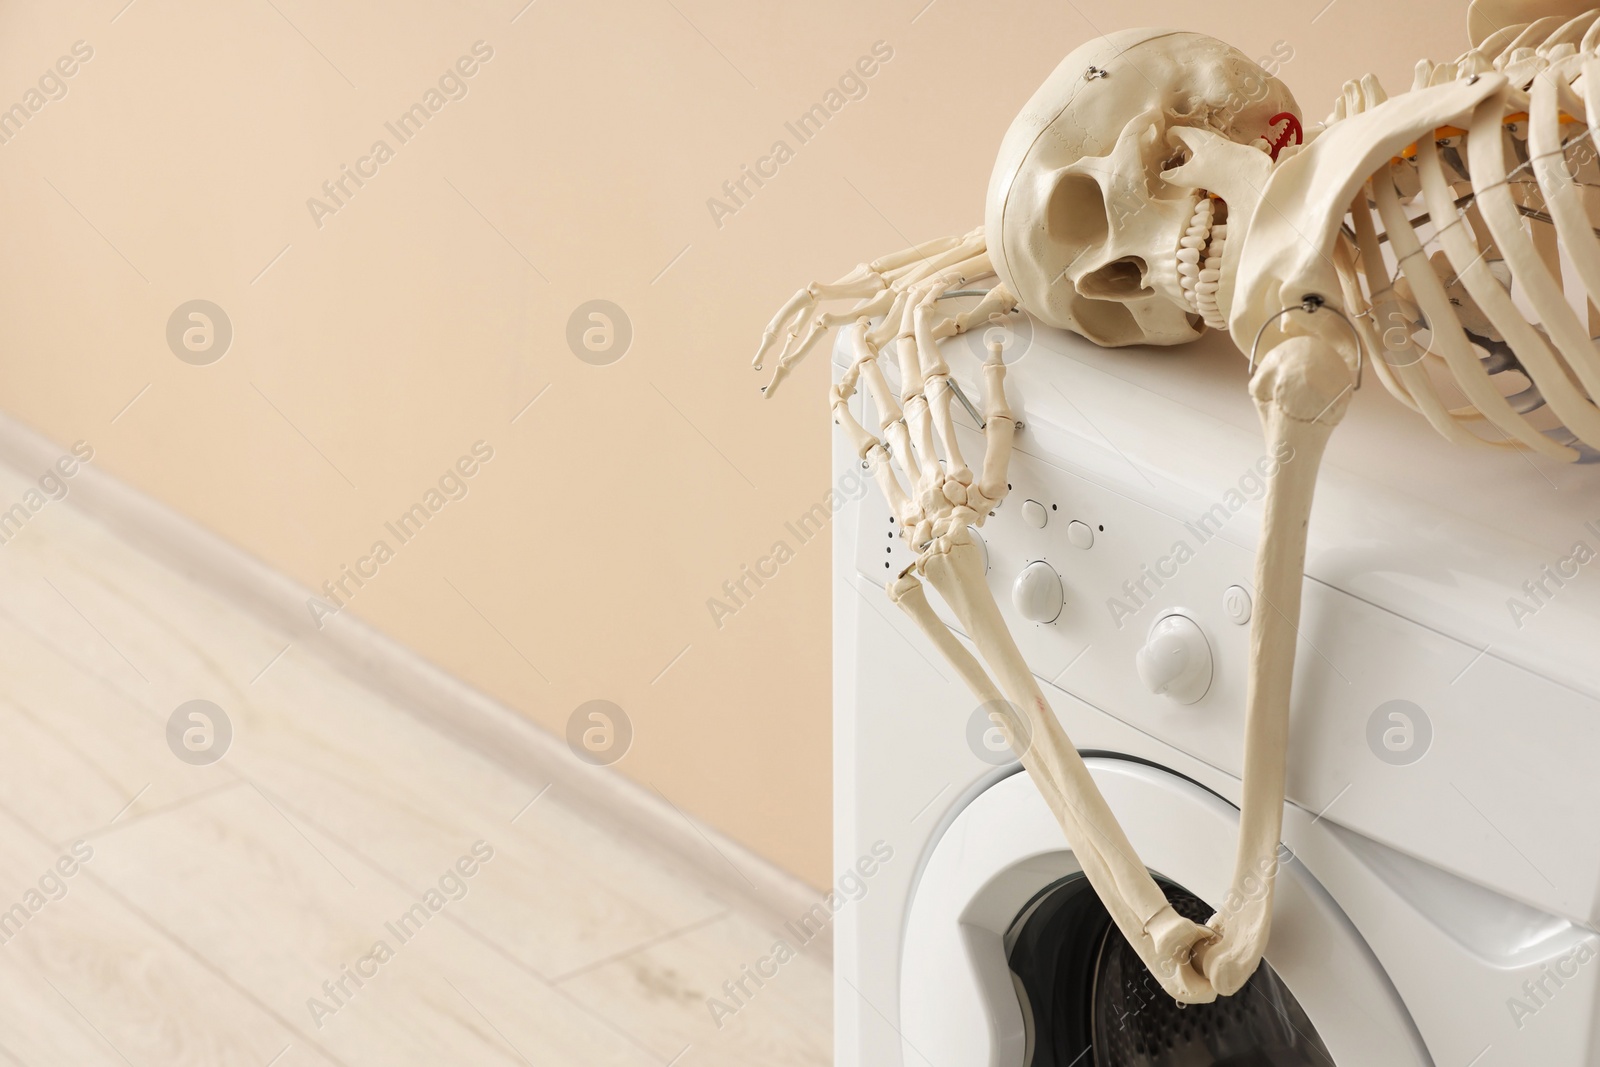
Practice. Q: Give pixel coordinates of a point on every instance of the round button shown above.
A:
(983, 546)
(1037, 592)
(1034, 514)
(1080, 535)
(1175, 661)
(1236, 604)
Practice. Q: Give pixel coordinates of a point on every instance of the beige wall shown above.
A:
(428, 310)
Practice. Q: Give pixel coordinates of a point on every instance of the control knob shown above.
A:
(1037, 592)
(1176, 660)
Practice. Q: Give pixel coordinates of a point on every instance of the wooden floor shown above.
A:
(217, 900)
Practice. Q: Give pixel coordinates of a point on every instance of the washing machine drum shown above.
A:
(1087, 1000)
(1010, 960)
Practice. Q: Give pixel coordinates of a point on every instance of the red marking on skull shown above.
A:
(1280, 141)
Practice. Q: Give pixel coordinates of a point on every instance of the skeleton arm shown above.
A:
(1301, 389)
(941, 497)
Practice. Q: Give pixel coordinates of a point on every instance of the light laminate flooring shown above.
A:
(232, 913)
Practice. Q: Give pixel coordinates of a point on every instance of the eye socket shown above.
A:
(1077, 212)
(1121, 279)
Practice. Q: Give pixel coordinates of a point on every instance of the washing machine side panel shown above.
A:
(846, 604)
(900, 762)
(909, 762)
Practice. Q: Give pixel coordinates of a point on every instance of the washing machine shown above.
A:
(1439, 890)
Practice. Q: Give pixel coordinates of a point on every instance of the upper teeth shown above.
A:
(1200, 262)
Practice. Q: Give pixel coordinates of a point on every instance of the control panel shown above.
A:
(1112, 600)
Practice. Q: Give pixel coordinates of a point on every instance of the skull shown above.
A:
(1098, 182)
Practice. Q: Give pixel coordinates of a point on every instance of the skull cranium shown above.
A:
(1094, 191)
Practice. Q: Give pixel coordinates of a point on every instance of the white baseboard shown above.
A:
(446, 703)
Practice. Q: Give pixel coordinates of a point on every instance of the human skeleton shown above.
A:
(1150, 190)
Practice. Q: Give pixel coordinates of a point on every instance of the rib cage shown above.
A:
(1472, 296)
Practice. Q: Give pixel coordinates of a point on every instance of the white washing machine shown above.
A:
(1440, 888)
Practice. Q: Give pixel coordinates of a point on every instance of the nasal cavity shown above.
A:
(1121, 279)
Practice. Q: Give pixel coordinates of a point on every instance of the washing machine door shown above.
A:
(1009, 960)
